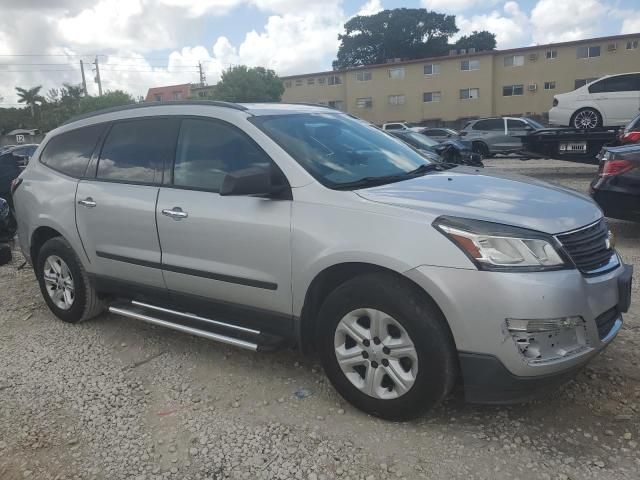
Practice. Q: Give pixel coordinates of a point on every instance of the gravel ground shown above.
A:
(116, 399)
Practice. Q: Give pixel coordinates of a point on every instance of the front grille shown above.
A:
(588, 247)
(606, 321)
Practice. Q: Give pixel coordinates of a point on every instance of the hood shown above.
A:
(496, 197)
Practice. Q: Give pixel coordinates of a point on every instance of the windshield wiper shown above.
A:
(374, 181)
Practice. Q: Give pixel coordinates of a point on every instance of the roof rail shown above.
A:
(308, 104)
(134, 106)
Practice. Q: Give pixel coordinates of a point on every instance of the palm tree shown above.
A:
(31, 97)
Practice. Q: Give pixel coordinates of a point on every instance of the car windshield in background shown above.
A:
(341, 152)
(419, 140)
(534, 124)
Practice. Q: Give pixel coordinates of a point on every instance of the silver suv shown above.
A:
(489, 136)
(270, 226)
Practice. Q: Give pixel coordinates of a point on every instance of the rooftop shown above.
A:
(474, 54)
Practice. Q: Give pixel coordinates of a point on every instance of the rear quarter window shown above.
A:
(70, 152)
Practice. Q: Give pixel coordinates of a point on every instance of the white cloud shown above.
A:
(371, 8)
(631, 24)
(454, 6)
(197, 8)
(566, 20)
(511, 26)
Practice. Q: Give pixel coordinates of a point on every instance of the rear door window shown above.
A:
(138, 151)
(513, 124)
(492, 124)
(70, 152)
(619, 83)
(208, 150)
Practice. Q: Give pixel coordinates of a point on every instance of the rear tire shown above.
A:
(65, 284)
(586, 119)
(482, 149)
(404, 321)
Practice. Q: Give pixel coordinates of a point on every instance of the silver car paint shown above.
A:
(389, 226)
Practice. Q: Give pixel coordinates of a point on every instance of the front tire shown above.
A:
(586, 119)
(64, 283)
(482, 149)
(386, 347)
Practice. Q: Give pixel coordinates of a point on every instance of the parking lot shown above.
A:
(112, 399)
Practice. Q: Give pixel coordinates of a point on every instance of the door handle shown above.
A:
(176, 213)
(87, 202)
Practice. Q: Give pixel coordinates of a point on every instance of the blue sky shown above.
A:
(144, 43)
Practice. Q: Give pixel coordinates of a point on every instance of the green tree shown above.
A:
(243, 84)
(31, 97)
(400, 33)
(109, 99)
(479, 40)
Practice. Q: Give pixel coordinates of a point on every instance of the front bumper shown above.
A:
(477, 304)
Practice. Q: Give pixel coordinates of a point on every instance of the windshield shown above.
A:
(338, 150)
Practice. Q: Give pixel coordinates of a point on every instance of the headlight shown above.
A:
(492, 246)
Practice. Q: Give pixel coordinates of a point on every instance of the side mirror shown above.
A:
(253, 181)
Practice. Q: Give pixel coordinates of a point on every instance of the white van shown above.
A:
(609, 101)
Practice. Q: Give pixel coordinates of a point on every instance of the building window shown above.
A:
(469, 93)
(588, 52)
(363, 76)
(551, 54)
(428, 97)
(287, 84)
(432, 69)
(514, 61)
(335, 80)
(365, 102)
(337, 104)
(203, 94)
(396, 73)
(311, 81)
(321, 81)
(467, 65)
(512, 90)
(396, 99)
(549, 85)
(299, 82)
(158, 97)
(632, 44)
(177, 95)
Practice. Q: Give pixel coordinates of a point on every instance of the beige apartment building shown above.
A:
(447, 90)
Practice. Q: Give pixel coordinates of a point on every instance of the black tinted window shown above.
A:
(138, 150)
(516, 125)
(436, 133)
(70, 152)
(208, 150)
(620, 83)
(494, 124)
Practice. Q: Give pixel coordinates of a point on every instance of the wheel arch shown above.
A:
(326, 281)
(38, 238)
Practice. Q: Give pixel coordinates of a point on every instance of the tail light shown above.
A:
(555, 102)
(616, 167)
(15, 183)
(630, 137)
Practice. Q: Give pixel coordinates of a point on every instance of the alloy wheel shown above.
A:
(376, 353)
(59, 282)
(586, 119)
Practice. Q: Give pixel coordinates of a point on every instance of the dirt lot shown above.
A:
(115, 399)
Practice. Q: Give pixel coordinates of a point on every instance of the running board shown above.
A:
(216, 330)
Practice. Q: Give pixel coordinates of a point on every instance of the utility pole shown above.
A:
(98, 77)
(203, 79)
(84, 82)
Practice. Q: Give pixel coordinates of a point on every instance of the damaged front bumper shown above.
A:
(519, 334)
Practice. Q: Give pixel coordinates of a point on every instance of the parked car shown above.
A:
(12, 161)
(452, 151)
(617, 187)
(498, 135)
(440, 134)
(401, 126)
(271, 225)
(7, 231)
(609, 101)
(4, 148)
(631, 133)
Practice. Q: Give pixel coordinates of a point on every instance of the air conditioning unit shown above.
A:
(532, 87)
(533, 57)
(612, 47)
